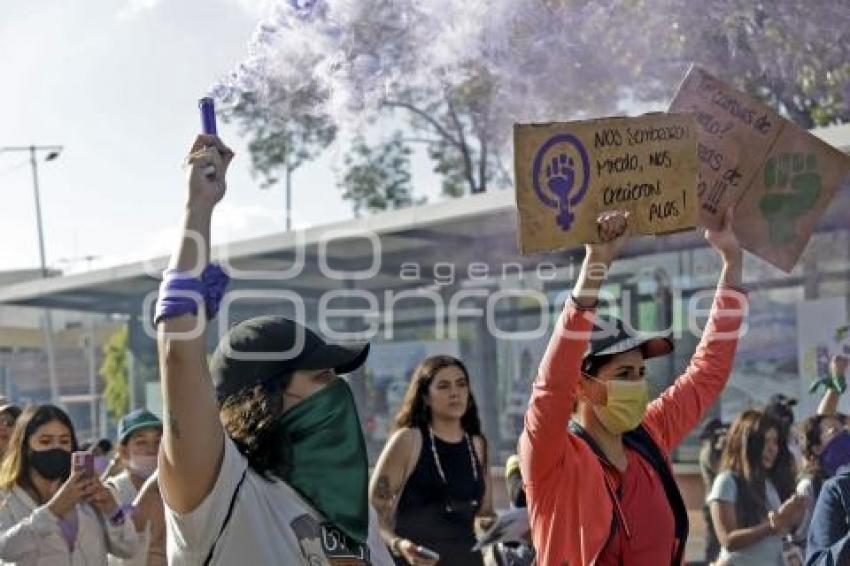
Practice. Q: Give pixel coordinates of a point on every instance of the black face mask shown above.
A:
(53, 464)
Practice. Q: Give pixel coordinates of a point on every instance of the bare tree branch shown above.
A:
(426, 141)
(482, 162)
(427, 117)
(463, 147)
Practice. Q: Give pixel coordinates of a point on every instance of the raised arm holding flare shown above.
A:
(263, 458)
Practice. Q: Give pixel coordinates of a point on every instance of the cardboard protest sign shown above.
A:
(735, 132)
(568, 173)
(776, 216)
(780, 177)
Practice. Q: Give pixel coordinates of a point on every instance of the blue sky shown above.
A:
(117, 83)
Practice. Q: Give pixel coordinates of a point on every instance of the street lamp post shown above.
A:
(287, 186)
(53, 152)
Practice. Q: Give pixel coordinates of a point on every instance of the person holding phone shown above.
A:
(263, 459)
(431, 483)
(49, 512)
(595, 449)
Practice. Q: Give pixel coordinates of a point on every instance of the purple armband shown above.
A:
(180, 293)
(215, 282)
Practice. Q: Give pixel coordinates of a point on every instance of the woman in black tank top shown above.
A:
(431, 482)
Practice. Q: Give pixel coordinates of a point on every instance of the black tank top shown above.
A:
(439, 516)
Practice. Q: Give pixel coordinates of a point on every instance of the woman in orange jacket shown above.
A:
(594, 450)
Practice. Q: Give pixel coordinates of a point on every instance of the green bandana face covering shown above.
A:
(325, 459)
(626, 406)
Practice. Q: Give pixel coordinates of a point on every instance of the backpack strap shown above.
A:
(642, 442)
(613, 492)
(227, 517)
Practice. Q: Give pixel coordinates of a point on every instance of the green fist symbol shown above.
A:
(793, 186)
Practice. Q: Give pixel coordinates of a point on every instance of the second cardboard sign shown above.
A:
(568, 173)
(779, 177)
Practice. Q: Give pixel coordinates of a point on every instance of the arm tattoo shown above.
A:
(382, 488)
(384, 496)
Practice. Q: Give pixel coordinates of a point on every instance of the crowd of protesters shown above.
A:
(765, 476)
(260, 457)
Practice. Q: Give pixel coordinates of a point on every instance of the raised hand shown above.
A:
(724, 240)
(838, 367)
(207, 153)
(612, 227)
(836, 379)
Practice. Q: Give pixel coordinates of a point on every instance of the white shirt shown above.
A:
(125, 492)
(271, 524)
(765, 552)
(31, 536)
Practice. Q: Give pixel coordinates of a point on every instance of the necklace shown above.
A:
(437, 456)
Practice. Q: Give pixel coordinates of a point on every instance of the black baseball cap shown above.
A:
(713, 428)
(781, 408)
(782, 399)
(265, 347)
(610, 336)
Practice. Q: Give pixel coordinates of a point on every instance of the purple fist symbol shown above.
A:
(560, 177)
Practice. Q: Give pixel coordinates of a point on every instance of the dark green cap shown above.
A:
(136, 420)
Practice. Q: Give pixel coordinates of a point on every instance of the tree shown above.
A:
(282, 132)
(455, 126)
(115, 374)
(794, 56)
(464, 72)
(378, 178)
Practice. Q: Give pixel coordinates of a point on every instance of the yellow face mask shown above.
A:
(626, 406)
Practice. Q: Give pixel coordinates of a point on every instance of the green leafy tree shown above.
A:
(461, 73)
(283, 133)
(795, 56)
(115, 374)
(378, 177)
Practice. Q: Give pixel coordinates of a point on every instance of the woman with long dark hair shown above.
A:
(49, 513)
(752, 501)
(431, 482)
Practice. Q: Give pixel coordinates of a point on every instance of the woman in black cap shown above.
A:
(263, 458)
(595, 450)
(431, 481)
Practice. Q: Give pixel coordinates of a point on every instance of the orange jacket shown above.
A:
(569, 506)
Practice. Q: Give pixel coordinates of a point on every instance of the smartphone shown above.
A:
(83, 462)
(427, 553)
